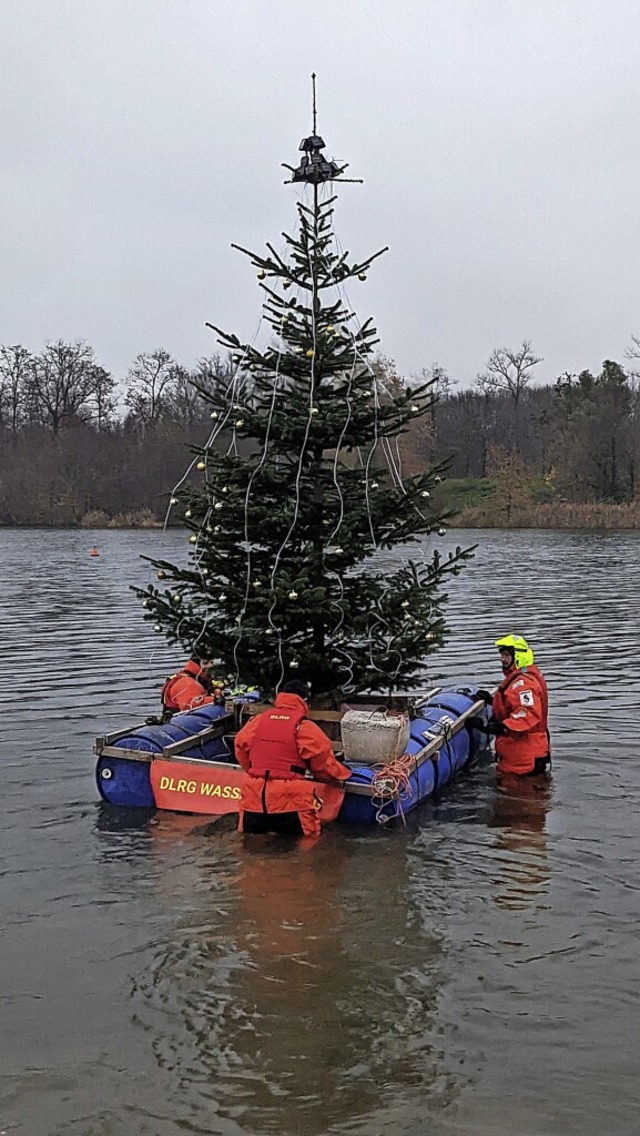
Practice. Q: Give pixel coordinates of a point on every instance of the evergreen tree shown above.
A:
(299, 488)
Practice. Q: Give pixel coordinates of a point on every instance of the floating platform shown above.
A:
(188, 764)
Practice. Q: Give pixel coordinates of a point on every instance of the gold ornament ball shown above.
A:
(414, 409)
(161, 575)
(218, 505)
(362, 276)
(193, 539)
(261, 275)
(425, 493)
(313, 410)
(214, 414)
(442, 532)
(310, 353)
(293, 595)
(239, 422)
(294, 665)
(173, 501)
(405, 603)
(201, 465)
(188, 513)
(157, 627)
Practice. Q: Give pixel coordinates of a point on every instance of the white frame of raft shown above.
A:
(200, 796)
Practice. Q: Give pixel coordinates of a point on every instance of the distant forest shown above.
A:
(79, 449)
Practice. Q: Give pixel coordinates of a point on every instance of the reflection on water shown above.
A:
(300, 989)
(518, 817)
(475, 972)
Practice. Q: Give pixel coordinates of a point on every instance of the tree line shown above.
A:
(77, 447)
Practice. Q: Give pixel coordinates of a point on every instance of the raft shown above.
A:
(188, 763)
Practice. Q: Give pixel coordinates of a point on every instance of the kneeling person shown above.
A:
(276, 749)
(190, 688)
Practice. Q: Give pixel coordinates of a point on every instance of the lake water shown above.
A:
(475, 973)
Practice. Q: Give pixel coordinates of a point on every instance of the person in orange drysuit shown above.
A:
(520, 707)
(189, 688)
(276, 749)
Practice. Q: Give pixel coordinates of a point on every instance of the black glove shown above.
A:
(482, 696)
(476, 724)
(494, 728)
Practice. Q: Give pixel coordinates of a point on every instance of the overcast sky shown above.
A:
(498, 141)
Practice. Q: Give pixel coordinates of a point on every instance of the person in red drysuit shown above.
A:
(189, 688)
(520, 707)
(276, 749)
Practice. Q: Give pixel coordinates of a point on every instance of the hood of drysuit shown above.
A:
(194, 669)
(522, 653)
(292, 702)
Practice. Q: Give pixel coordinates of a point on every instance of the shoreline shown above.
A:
(584, 518)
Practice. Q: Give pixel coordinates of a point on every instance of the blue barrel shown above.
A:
(125, 781)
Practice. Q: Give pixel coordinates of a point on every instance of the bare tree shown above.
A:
(62, 383)
(150, 380)
(509, 371)
(442, 383)
(633, 352)
(183, 404)
(103, 398)
(16, 367)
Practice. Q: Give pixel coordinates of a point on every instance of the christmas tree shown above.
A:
(299, 489)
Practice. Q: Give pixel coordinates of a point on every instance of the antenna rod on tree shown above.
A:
(315, 168)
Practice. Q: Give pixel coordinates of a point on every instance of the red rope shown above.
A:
(391, 783)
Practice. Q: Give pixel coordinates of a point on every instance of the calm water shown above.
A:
(476, 973)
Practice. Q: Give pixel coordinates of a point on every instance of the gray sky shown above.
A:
(498, 140)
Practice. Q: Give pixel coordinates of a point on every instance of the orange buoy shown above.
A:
(94, 552)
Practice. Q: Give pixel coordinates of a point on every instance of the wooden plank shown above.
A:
(107, 739)
(216, 730)
(129, 754)
(178, 760)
